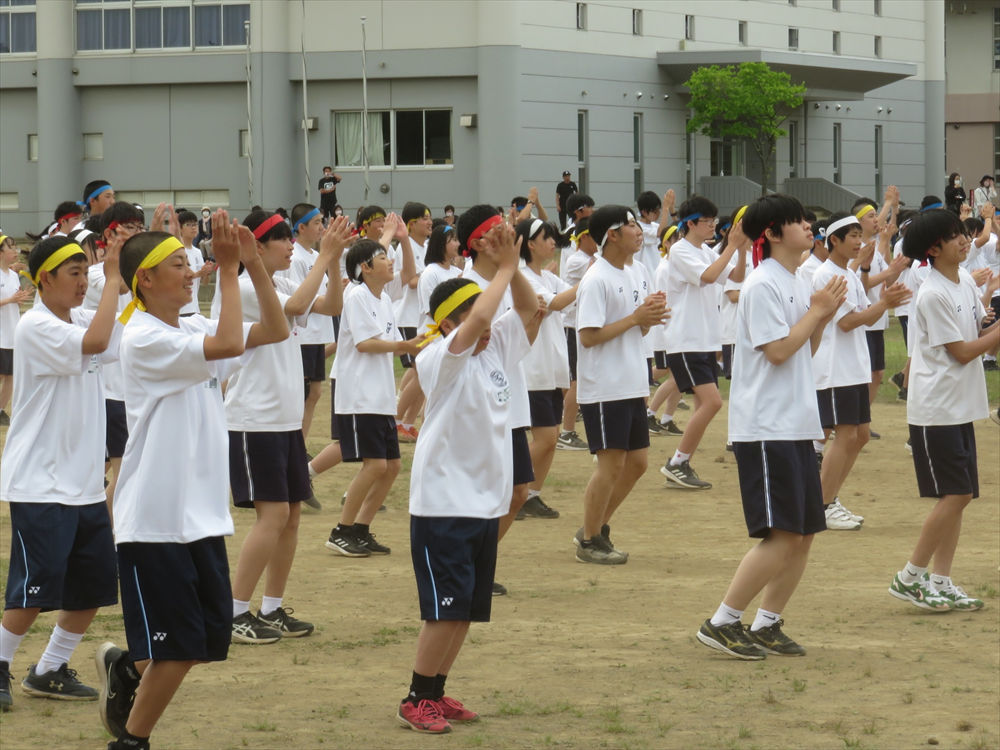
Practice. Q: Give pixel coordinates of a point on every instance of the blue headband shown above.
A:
(305, 219)
(686, 219)
(96, 193)
(447, 228)
(725, 226)
(933, 205)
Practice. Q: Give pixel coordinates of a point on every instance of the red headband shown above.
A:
(758, 246)
(70, 215)
(483, 229)
(265, 226)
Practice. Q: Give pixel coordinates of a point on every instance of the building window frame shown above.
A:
(689, 28)
(636, 22)
(387, 121)
(18, 28)
(838, 155)
(793, 38)
(581, 16)
(835, 43)
(742, 33)
(583, 150)
(637, 153)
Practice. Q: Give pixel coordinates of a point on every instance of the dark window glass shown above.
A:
(207, 26)
(409, 138)
(176, 27)
(147, 28)
(233, 17)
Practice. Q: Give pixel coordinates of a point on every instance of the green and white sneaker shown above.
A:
(956, 597)
(919, 594)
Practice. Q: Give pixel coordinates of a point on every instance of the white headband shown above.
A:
(535, 227)
(840, 224)
(629, 217)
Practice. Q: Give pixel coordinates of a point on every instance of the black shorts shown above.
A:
(779, 483)
(367, 436)
(268, 467)
(524, 473)
(546, 407)
(334, 423)
(727, 361)
(846, 404)
(693, 368)
(6, 361)
(407, 333)
(454, 560)
(115, 428)
(314, 362)
(944, 458)
(660, 360)
(176, 600)
(616, 425)
(571, 351)
(876, 349)
(903, 324)
(61, 557)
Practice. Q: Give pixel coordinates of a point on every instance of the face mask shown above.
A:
(206, 214)
(958, 182)
(338, 213)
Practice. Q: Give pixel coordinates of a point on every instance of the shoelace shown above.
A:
(428, 709)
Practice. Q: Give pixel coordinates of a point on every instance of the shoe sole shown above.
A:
(55, 696)
(714, 644)
(408, 725)
(313, 503)
(104, 679)
(246, 640)
(560, 446)
(919, 605)
(680, 483)
(548, 516)
(346, 553)
(621, 561)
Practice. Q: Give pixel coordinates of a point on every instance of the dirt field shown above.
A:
(582, 656)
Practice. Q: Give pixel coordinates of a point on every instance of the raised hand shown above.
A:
(336, 237)
(499, 246)
(899, 264)
(829, 299)
(248, 252)
(981, 276)
(225, 240)
(896, 294)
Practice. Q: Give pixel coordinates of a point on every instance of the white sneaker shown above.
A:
(837, 519)
(855, 516)
(955, 596)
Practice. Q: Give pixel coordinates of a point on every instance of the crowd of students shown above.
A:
(114, 360)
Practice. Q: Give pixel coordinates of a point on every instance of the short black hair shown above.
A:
(299, 210)
(604, 218)
(413, 210)
(187, 217)
(930, 200)
(44, 249)
(122, 212)
(444, 290)
(696, 204)
(648, 201)
(841, 234)
(367, 213)
(519, 200)
(927, 230)
(66, 208)
(468, 222)
(360, 252)
(280, 231)
(973, 226)
(577, 201)
(437, 242)
(90, 188)
(523, 230)
(770, 212)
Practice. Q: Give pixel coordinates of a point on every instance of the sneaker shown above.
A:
(730, 447)
(655, 429)
(773, 641)
(683, 405)
(118, 683)
(404, 435)
(995, 416)
(578, 537)
(852, 514)
(60, 684)
(990, 365)
(499, 589)
(568, 440)
(897, 380)
(606, 533)
(311, 501)
(6, 699)
(819, 460)
(424, 716)
(670, 428)
(453, 710)
(873, 435)
(837, 519)
(730, 639)
(371, 544)
(909, 447)
(535, 507)
(901, 396)
(414, 432)
(919, 594)
(282, 621)
(957, 598)
(249, 629)
(683, 475)
(4, 419)
(600, 552)
(343, 541)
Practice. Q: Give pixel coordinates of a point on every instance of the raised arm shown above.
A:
(102, 325)
(336, 237)
(892, 296)
(273, 325)
(227, 341)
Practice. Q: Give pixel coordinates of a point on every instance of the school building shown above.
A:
(229, 103)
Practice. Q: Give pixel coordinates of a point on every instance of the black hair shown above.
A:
(413, 210)
(134, 251)
(44, 249)
(808, 215)
(468, 222)
(436, 243)
(444, 290)
(280, 231)
(577, 201)
(951, 179)
(604, 217)
(519, 201)
(330, 168)
(927, 230)
(904, 216)
(648, 201)
(984, 178)
(90, 188)
(299, 210)
(448, 208)
(438, 222)
(863, 202)
(697, 204)
(88, 243)
(770, 212)
(581, 226)
(523, 229)
(280, 210)
(186, 217)
(840, 234)
(66, 208)
(973, 226)
(818, 226)
(365, 213)
(121, 211)
(361, 252)
(929, 200)
(255, 208)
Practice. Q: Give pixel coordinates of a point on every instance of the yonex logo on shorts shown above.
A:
(446, 601)
(34, 589)
(159, 636)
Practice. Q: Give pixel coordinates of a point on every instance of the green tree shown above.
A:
(748, 101)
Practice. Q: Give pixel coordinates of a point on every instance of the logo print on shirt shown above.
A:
(211, 384)
(635, 295)
(502, 394)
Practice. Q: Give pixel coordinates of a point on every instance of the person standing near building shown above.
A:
(564, 190)
(328, 192)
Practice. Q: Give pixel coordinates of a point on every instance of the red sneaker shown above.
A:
(404, 435)
(453, 710)
(424, 716)
(414, 432)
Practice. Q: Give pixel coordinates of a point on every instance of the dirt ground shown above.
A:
(583, 656)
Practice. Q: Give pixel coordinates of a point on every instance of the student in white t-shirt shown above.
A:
(171, 506)
(772, 422)
(264, 417)
(50, 476)
(813, 257)
(459, 488)
(947, 393)
(667, 394)
(613, 387)
(650, 208)
(409, 313)
(439, 266)
(11, 297)
(188, 224)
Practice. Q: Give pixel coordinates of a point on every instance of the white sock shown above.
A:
(679, 458)
(650, 412)
(725, 615)
(240, 607)
(312, 472)
(269, 603)
(407, 426)
(911, 573)
(666, 418)
(765, 619)
(940, 582)
(9, 644)
(533, 493)
(60, 650)
(818, 446)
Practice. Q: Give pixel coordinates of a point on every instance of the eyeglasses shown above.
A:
(714, 220)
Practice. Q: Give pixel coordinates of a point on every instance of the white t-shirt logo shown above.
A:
(94, 365)
(502, 394)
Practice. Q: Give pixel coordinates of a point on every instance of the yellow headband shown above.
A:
(154, 257)
(576, 237)
(55, 260)
(739, 214)
(3, 239)
(865, 209)
(666, 236)
(449, 306)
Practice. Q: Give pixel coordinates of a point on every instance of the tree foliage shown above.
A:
(748, 101)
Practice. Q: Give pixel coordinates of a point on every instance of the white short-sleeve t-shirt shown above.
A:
(694, 306)
(174, 481)
(878, 265)
(461, 465)
(195, 261)
(316, 328)
(407, 310)
(55, 445)
(649, 253)
(766, 401)
(643, 280)
(658, 333)
(112, 372)
(546, 366)
(432, 275)
(727, 308)
(366, 383)
(616, 369)
(842, 357)
(942, 391)
(10, 284)
(808, 269)
(576, 266)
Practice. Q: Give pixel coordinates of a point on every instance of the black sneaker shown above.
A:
(901, 396)
(670, 428)
(606, 533)
(989, 365)
(772, 640)
(897, 380)
(730, 639)
(873, 435)
(499, 589)
(249, 629)
(343, 541)
(281, 619)
(535, 507)
(311, 501)
(60, 684)
(4, 419)
(369, 543)
(6, 699)
(684, 476)
(655, 429)
(118, 680)
(682, 405)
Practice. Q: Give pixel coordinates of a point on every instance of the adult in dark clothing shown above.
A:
(564, 190)
(328, 192)
(954, 193)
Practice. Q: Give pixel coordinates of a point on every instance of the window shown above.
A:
(32, 147)
(793, 39)
(689, 27)
(743, 33)
(423, 137)
(581, 16)
(726, 157)
(166, 27)
(878, 46)
(637, 153)
(414, 137)
(17, 26)
(93, 146)
(636, 22)
(836, 43)
(793, 3)
(9, 202)
(159, 24)
(996, 39)
(190, 199)
(878, 7)
(878, 160)
(793, 148)
(244, 143)
(582, 149)
(836, 152)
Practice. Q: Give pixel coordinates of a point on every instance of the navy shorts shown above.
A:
(660, 360)
(314, 362)
(903, 324)
(524, 472)
(115, 429)
(6, 361)
(779, 483)
(407, 333)
(616, 425)
(176, 600)
(571, 351)
(546, 407)
(268, 467)
(61, 557)
(727, 361)
(876, 349)
(454, 561)
(334, 424)
(693, 368)
(944, 458)
(367, 436)
(846, 404)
